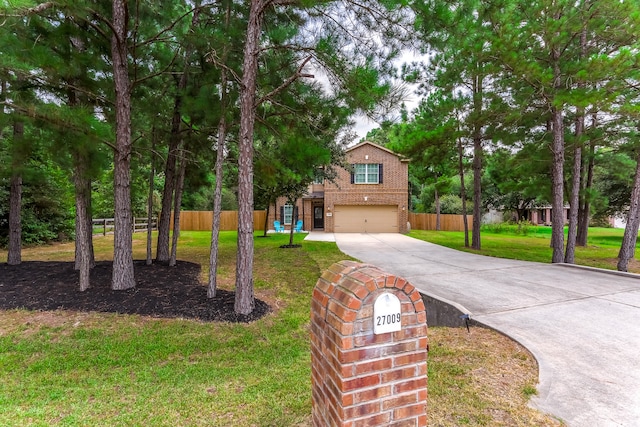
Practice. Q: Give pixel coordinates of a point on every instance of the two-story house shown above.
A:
(371, 198)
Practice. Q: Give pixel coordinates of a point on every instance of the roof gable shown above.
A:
(379, 147)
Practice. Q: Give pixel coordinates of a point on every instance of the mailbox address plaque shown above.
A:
(387, 314)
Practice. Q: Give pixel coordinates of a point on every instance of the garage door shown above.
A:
(365, 219)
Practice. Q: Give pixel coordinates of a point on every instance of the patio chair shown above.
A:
(298, 228)
(279, 228)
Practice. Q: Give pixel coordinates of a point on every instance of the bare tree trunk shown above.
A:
(463, 193)
(585, 206)
(477, 164)
(628, 246)
(177, 204)
(14, 257)
(83, 242)
(219, 170)
(294, 215)
(574, 201)
(164, 222)
(123, 275)
(152, 174)
(217, 206)
(437, 202)
(244, 299)
(83, 262)
(266, 220)
(83, 212)
(557, 168)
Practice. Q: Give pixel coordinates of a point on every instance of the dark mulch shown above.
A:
(161, 291)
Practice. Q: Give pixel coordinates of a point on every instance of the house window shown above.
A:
(287, 214)
(367, 173)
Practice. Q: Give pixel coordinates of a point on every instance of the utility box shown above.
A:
(368, 349)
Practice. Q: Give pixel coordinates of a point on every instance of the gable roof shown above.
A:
(379, 147)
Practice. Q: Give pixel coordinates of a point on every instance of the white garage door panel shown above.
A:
(366, 219)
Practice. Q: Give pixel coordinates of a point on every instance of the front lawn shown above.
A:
(531, 243)
(70, 368)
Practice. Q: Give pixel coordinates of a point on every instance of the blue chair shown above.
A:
(298, 228)
(279, 228)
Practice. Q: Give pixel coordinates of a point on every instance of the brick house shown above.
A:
(373, 198)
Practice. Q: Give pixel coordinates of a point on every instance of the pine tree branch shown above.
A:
(297, 75)
(29, 11)
(213, 58)
(32, 111)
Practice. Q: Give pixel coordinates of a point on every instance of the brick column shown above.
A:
(359, 377)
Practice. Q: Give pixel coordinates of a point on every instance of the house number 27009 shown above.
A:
(387, 314)
(388, 319)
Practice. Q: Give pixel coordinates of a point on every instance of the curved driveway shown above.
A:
(581, 324)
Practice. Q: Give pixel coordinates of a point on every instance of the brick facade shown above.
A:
(393, 191)
(360, 378)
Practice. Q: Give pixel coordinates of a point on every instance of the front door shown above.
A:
(318, 217)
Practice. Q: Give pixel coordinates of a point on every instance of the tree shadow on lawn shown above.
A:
(161, 291)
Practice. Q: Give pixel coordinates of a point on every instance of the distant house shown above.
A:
(542, 215)
(372, 198)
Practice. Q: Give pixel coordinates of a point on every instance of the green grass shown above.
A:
(532, 243)
(77, 369)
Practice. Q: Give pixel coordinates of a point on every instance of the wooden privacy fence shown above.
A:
(202, 220)
(424, 221)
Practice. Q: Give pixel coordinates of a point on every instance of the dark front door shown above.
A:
(318, 217)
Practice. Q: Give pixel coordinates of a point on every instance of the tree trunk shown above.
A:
(164, 223)
(82, 242)
(244, 299)
(84, 258)
(463, 193)
(585, 206)
(177, 205)
(294, 215)
(437, 201)
(14, 256)
(628, 246)
(574, 201)
(557, 194)
(123, 275)
(477, 164)
(266, 220)
(557, 168)
(152, 174)
(217, 204)
(217, 195)
(83, 212)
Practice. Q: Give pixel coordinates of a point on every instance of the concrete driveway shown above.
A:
(581, 324)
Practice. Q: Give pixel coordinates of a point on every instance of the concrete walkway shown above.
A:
(581, 324)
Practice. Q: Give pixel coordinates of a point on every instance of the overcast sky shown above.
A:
(364, 124)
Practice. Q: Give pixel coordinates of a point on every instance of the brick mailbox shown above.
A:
(368, 349)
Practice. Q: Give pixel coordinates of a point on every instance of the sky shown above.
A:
(364, 124)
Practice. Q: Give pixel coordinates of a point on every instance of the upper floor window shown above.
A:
(367, 173)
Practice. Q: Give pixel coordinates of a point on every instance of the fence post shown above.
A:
(368, 349)
(104, 227)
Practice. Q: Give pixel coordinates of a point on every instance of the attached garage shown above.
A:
(365, 219)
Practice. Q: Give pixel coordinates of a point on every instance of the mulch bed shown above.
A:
(161, 291)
